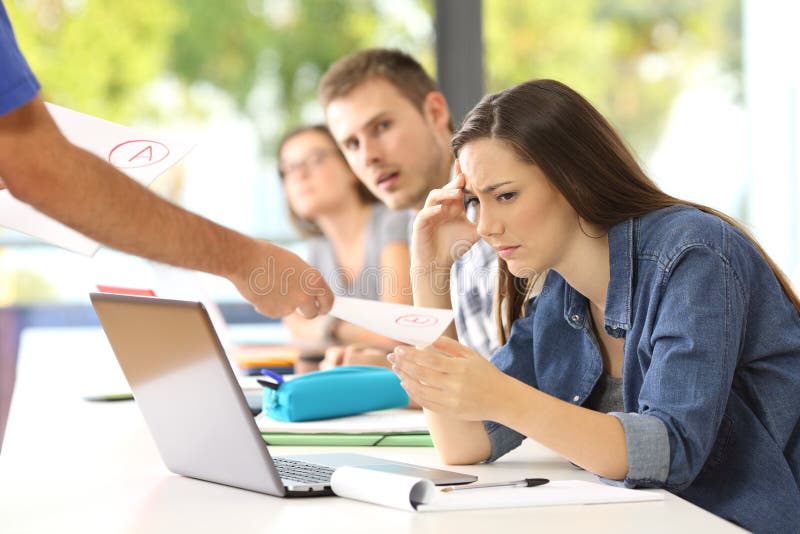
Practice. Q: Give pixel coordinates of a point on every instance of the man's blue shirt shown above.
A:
(711, 370)
(17, 83)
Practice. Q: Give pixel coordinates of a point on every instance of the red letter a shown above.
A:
(149, 154)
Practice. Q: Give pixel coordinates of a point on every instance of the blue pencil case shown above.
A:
(346, 390)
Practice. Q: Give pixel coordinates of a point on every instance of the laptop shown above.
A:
(196, 412)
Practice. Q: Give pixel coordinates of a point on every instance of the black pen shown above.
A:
(524, 483)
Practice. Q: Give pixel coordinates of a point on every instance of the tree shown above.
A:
(97, 57)
(629, 58)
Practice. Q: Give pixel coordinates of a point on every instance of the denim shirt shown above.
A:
(711, 370)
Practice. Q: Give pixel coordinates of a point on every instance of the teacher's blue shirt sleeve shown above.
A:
(695, 345)
(515, 358)
(18, 85)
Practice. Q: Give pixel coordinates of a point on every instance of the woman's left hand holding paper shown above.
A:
(449, 378)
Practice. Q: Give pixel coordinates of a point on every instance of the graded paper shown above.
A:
(141, 155)
(412, 325)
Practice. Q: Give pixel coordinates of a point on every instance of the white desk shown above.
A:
(73, 466)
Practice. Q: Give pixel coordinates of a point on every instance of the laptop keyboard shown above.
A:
(304, 472)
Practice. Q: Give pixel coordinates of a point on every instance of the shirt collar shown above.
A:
(576, 308)
(620, 285)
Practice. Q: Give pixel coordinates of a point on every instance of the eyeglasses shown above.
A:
(313, 161)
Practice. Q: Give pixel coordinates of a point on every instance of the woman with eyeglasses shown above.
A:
(359, 245)
(662, 348)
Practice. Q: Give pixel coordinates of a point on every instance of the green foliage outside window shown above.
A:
(630, 58)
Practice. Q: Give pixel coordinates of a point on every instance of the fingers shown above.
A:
(316, 299)
(442, 203)
(363, 355)
(446, 378)
(424, 396)
(273, 311)
(441, 207)
(450, 346)
(355, 354)
(458, 181)
(308, 309)
(444, 195)
(335, 352)
(421, 365)
(276, 281)
(333, 358)
(317, 296)
(323, 295)
(427, 216)
(359, 350)
(427, 357)
(430, 378)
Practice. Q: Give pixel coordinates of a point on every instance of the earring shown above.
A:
(586, 234)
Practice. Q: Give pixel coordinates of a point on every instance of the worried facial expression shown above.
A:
(397, 150)
(519, 212)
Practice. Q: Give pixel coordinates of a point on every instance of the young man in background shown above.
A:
(394, 127)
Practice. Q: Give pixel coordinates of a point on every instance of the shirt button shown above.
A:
(576, 398)
(575, 318)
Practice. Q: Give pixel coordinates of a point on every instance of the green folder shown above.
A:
(406, 440)
(350, 440)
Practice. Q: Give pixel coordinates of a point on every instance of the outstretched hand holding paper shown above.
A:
(408, 324)
(140, 155)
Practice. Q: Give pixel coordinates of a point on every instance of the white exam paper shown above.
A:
(412, 325)
(140, 155)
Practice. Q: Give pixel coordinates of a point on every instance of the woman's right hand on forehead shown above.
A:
(458, 181)
(442, 232)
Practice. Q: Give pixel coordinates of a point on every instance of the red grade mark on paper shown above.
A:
(416, 319)
(137, 153)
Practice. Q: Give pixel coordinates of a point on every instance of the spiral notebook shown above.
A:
(419, 495)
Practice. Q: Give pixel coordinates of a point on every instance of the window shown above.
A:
(704, 91)
(232, 78)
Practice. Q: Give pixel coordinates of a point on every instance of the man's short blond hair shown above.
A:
(395, 66)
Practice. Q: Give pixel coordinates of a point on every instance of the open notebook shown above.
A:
(416, 494)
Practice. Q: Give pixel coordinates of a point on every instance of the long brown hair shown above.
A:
(307, 227)
(550, 125)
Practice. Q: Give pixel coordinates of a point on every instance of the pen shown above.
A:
(274, 382)
(524, 483)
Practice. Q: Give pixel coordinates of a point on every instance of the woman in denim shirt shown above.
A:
(663, 346)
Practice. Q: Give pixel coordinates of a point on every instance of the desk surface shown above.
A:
(69, 465)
